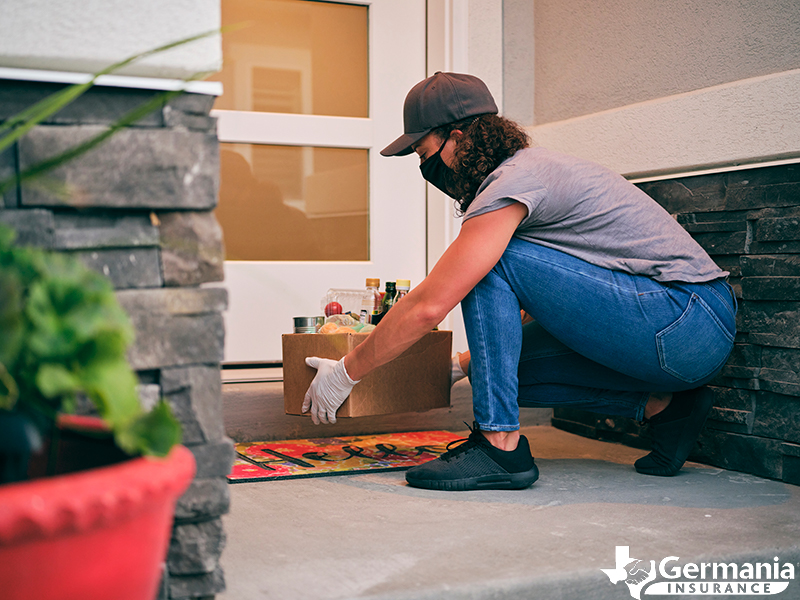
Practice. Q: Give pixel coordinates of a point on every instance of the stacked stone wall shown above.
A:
(139, 210)
(749, 222)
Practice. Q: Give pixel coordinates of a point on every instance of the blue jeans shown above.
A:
(601, 341)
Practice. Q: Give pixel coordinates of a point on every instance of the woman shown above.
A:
(628, 314)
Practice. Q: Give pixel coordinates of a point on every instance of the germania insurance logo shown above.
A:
(699, 579)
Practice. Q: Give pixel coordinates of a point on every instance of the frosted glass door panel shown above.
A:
(295, 56)
(312, 92)
(294, 203)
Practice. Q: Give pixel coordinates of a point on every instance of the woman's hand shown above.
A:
(456, 372)
(330, 388)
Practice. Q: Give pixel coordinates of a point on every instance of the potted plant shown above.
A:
(101, 532)
(75, 529)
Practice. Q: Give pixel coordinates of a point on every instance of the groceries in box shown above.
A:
(417, 380)
(358, 311)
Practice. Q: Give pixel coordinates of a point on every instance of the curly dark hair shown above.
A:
(487, 141)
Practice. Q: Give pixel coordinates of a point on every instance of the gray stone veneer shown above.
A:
(749, 222)
(139, 212)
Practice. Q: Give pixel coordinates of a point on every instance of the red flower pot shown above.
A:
(91, 535)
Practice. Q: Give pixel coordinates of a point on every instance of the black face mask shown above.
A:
(439, 174)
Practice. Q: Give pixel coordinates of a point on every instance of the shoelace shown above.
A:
(464, 444)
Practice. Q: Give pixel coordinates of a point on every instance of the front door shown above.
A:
(312, 92)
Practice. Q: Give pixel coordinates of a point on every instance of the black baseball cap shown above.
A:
(438, 100)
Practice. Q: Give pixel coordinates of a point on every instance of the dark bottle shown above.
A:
(388, 300)
(388, 297)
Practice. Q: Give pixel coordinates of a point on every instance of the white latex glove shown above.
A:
(328, 391)
(456, 372)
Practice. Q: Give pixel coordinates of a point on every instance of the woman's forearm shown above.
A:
(479, 245)
(400, 328)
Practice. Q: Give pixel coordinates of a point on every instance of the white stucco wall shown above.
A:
(519, 53)
(593, 56)
(657, 88)
(747, 121)
(485, 44)
(88, 35)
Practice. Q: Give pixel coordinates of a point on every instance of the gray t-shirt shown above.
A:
(586, 210)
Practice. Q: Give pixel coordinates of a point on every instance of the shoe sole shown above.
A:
(499, 481)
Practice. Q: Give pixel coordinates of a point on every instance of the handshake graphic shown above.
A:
(631, 571)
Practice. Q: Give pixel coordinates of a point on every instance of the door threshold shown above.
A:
(255, 372)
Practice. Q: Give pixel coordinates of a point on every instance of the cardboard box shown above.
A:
(417, 380)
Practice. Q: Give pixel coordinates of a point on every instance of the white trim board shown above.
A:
(749, 121)
(295, 130)
(727, 169)
(209, 88)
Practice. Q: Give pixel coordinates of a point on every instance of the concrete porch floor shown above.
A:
(373, 537)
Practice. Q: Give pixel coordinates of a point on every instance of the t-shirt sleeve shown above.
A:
(505, 186)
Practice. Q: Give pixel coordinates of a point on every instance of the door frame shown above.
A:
(464, 36)
(264, 290)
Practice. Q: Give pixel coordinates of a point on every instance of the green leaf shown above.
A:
(62, 330)
(112, 385)
(7, 236)
(9, 392)
(19, 124)
(48, 338)
(54, 380)
(11, 316)
(76, 151)
(153, 433)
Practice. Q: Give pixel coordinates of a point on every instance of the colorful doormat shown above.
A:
(263, 461)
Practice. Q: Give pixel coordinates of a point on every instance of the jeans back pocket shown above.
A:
(696, 345)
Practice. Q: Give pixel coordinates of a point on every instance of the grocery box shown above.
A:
(417, 380)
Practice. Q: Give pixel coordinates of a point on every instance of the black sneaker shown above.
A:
(675, 431)
(477, 465)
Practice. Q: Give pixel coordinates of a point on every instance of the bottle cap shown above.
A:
(373, 282)
(404, 283)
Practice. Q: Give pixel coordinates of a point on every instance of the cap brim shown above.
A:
(402, 145)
